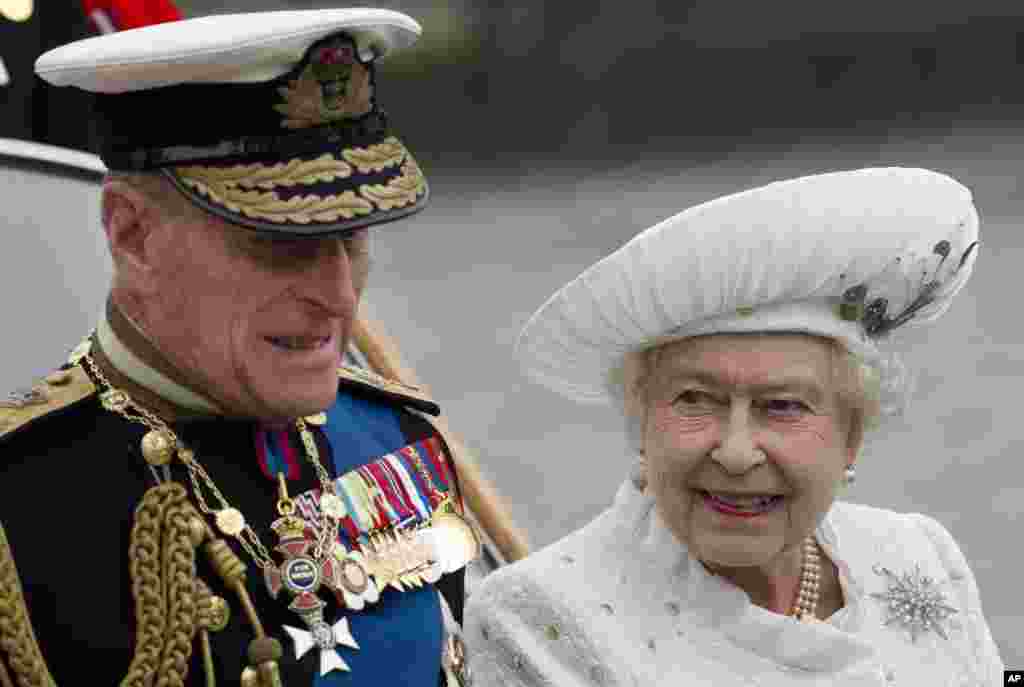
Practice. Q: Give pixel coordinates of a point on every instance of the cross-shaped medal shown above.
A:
(303, 576)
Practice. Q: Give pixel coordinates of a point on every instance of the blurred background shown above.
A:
(553, 132)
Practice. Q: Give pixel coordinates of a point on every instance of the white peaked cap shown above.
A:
(224, 48)
(846, 255)
(266, 120)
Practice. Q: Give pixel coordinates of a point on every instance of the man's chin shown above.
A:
(302, 403)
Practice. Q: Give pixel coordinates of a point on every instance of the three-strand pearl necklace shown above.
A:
(810, 573)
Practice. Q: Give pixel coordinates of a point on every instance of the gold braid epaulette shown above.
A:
(168, 597)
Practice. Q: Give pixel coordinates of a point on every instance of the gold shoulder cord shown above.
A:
(172, 605)
(165, 534)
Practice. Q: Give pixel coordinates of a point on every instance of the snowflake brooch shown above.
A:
(914, 602)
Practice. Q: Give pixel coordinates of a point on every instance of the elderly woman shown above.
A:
(742, 338)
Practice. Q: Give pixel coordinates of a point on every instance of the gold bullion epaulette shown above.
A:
(57, 390)
(389, 388)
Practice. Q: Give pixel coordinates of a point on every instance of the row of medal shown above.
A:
(399, 528)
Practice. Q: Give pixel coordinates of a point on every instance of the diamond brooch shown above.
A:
(914, 602)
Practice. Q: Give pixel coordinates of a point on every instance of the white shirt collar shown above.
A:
(132, 367)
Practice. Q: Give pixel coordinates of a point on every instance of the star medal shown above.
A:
(914, 602)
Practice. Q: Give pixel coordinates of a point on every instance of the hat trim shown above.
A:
(812, 317)
(293, 230)
(60, 75)
(363, 131)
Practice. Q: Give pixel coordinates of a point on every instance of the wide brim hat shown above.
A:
(268, 120)
(849, 255)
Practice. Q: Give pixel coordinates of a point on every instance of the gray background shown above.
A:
(553, 132)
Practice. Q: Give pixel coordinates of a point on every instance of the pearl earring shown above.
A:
(849, 475)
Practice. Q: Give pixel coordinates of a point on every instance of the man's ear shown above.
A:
(129, 219)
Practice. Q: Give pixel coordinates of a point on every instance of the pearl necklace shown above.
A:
(807, 599)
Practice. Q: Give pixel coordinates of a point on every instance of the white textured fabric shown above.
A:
(225, 48)
(621, 602)
(776, 258)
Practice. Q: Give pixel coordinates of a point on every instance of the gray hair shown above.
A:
(156, 187)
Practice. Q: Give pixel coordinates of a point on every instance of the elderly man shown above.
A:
(241, 507)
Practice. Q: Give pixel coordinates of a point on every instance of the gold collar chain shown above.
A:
(161, 444)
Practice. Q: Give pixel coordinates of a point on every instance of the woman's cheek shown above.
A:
(817, 430)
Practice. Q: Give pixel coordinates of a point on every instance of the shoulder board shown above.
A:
(349, 375)
(58, 390)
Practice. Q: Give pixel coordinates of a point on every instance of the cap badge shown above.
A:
(332, 86)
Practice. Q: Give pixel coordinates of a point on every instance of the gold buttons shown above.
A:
(158, 447)
(230, 521)
(220, 614)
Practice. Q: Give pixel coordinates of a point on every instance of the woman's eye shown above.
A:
(786, 406)
(692, 397)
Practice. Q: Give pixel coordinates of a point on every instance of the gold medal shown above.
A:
(400, 559)
(16, 10)
(158, 447)
(353, 576)
(230, 521)
(381, 561)
(333, 505)
(456, 541)
(353, 586)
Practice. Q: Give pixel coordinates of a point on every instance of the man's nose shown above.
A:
(329, 279)
(738, 452)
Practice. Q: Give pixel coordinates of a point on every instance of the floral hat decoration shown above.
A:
(269, 120)
(849, 255)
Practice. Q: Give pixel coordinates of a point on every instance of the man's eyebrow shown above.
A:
(790, 382)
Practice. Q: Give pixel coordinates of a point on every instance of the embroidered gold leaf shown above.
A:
(378, 157)
(267, 205)
(304, 104)
(291, 173)
(400, 191)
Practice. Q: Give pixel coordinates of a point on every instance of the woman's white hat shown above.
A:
(846, 255)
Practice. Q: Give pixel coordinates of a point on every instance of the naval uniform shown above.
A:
(73, 474)
(288, 140)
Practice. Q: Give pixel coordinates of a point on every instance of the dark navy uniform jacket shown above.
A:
(71, 477)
